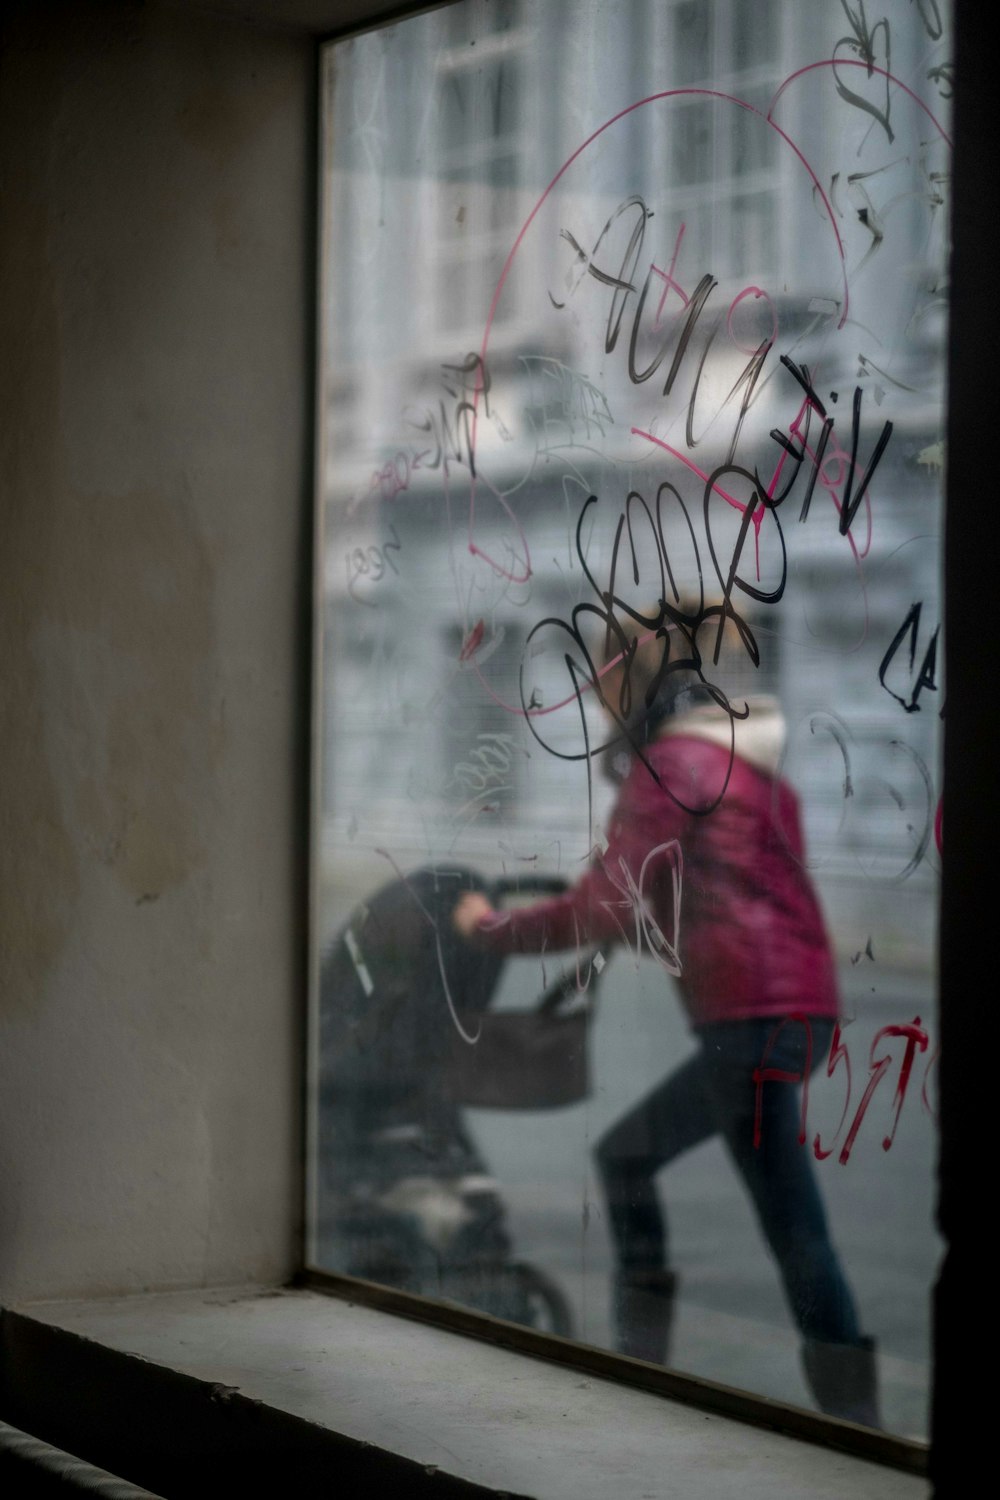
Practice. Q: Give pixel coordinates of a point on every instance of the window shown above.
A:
(673, 356)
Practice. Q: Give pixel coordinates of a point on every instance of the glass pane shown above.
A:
(627, 834)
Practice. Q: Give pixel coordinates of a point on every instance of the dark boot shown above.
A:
(843, 1379)
(644, 1313)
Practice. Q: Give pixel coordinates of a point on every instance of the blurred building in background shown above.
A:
(471, 326)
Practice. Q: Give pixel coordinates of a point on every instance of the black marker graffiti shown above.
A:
(371, 563)
(925, 678)
(846, 491)
(675, 623)
(863, 44)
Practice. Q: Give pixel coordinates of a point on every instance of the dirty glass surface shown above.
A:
(630, 507)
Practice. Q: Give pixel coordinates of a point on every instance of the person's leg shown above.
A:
(675, 1116)
(777, 1168)
(761, 1125)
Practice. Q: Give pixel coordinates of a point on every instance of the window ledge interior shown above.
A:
(447, 1407)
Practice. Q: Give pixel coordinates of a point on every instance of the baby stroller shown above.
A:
(405, 1044)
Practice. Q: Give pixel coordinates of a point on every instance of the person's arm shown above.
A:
(601, 907)
(556, 923)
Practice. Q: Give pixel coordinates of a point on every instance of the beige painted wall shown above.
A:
(154, 517)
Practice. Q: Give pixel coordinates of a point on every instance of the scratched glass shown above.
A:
(632, 416)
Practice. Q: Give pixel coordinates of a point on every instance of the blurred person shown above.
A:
(705, 856)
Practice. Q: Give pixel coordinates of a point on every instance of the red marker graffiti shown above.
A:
(473, 641)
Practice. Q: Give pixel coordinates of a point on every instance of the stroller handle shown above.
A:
(527, 885)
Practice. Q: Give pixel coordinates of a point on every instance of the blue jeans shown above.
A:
(714, 1093)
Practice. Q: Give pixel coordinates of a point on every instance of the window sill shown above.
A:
(395, 1390)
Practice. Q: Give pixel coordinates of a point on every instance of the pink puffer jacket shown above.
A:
(721, 898)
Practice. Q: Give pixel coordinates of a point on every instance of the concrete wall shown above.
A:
(155, 323)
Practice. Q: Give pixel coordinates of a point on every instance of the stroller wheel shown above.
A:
(545, 1304)
(512, 1290)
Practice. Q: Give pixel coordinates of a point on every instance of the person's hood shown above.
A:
(758, 739)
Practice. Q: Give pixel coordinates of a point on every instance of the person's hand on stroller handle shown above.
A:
(469, 912)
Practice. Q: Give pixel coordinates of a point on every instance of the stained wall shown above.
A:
(155, 323)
